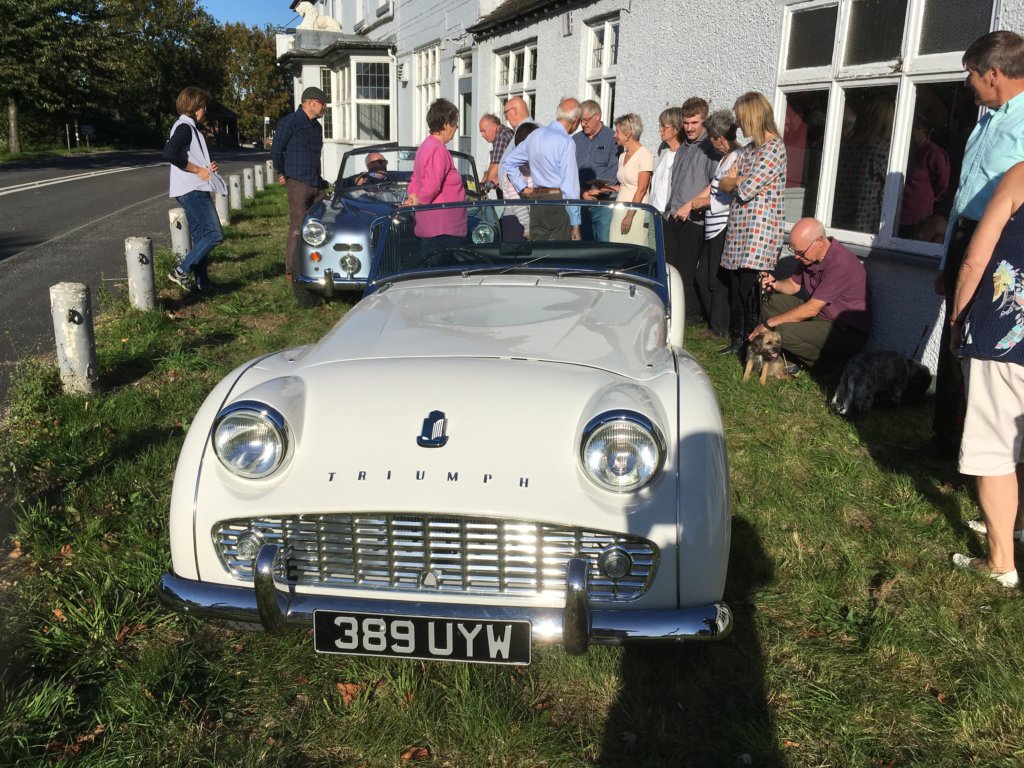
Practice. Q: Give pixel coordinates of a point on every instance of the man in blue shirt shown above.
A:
(298, 142)
(597, 157)
(552, 157)
(995, 74)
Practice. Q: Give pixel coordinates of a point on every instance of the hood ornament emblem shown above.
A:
(433, 434)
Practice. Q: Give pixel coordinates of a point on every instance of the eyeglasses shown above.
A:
(801, 254)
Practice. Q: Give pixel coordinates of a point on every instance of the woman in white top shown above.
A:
(193, 178)
(670, 126)
(636, 166)
(712, 282)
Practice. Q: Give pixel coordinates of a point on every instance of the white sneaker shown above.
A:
(978, 526)
(977, 564)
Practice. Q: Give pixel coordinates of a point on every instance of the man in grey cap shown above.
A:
(298, 142)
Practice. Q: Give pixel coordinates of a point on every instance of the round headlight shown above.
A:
(614, 563)
(350, 264)
(621, 451)
(250, 439)
(314, 232)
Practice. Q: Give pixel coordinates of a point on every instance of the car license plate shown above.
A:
(419, 637)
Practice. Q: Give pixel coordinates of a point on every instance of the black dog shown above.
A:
(888, 377)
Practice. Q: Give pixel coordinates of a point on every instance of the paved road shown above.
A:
(66, 220)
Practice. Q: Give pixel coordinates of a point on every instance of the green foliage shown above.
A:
(254, 86)
(855, 643)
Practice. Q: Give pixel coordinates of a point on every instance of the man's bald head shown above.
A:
(516, 110)
(569, 113)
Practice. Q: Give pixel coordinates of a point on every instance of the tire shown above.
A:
(305, 298)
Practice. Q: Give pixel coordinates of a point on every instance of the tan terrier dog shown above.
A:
(764, 357)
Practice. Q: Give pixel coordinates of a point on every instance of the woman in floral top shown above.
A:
(754, 237)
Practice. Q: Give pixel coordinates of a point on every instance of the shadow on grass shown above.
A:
(700, 704)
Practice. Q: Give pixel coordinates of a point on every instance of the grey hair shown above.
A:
(631, 123)
(591, 106)
(721, 124)
(492, 119)
(569, 114)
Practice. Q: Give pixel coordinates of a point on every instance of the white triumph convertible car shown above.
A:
(502, 444)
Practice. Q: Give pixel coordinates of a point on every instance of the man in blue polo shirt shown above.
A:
(995, 74)
(597, 157)
(298, 142)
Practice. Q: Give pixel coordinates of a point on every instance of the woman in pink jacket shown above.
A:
(435, 179)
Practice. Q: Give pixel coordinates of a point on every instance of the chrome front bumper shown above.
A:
(330, 282)
(576, 626)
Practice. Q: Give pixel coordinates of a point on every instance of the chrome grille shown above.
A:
(458, 555)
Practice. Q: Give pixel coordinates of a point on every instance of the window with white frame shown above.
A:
(327, 118)
(365, 100)
(876, 116)
(428, 80)
(602, 63)
(516, 75)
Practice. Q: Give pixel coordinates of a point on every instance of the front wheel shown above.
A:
(304, 297)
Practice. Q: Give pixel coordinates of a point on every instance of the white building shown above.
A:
(850, 80)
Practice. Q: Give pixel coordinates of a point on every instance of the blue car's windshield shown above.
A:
(493, 238)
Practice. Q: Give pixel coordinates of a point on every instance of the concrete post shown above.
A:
(235, 191)
(268, 171)
(181, 238)
(257, 174)
(138, 255)
(247, 190)
(220, 202)
(71, 312)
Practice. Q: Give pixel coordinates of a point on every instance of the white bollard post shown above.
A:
(257, 174)
(247, 191)
(268, 171)
(181, 238)
(235, 191)
(138, 255)
(220, 202)
(71, 312)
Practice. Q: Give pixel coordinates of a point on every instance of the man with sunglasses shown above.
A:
(822, 310)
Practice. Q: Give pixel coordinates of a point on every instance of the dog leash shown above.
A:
(924, 334)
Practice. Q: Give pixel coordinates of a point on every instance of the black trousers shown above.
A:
(950, 397)
(712, 284)
(744, 301)
(683, 242)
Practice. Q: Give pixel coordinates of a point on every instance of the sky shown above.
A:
(253, 12)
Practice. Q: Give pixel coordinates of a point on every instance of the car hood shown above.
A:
(612, 325)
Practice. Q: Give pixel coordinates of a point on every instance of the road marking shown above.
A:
(75, 177)
(92, 223)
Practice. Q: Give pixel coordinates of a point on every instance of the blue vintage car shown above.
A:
(334, 255)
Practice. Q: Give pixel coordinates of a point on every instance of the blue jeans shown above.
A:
(204, 225)
(600, 221)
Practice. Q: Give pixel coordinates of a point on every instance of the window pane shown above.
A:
(533, 63)
(325, 84)
(503, 70)
(952, 25)
(520, 67)
(598, 45)
(863, 158)
(614, 57)
(610, 88)
(803, 135)
(944, 115)
(466, 113)
(812, 35)
(876, 31)
(327, 122)
(372, 81)
(373, 121)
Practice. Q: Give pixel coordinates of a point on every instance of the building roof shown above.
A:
(339, 44)
(512, 13)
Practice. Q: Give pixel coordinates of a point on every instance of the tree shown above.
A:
(254, 86)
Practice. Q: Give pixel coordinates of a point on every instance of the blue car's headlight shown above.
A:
(314, 232)
(621, 451)
(250, 439)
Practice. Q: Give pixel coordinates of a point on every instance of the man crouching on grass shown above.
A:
(831, 324)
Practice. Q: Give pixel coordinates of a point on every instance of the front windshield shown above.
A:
(495, 238)
(367, 171)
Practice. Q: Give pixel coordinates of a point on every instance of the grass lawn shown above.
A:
(855, 642)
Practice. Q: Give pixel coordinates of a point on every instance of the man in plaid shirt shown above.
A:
(298, 142)
(499, 137)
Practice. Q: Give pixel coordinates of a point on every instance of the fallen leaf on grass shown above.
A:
(59, 614)
(940, 697)
(15, 553)
(415, 753)
(409, 696)
(791, 744)
(349, 691)
(543, 704)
